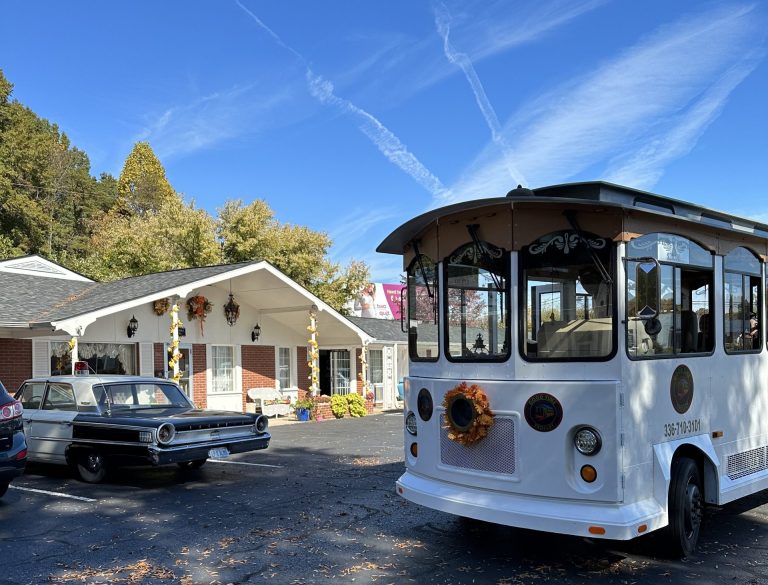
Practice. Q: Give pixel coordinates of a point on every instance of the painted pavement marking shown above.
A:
(57, 494)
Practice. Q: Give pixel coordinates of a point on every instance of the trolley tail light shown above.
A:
(587, 441)
(410, 423)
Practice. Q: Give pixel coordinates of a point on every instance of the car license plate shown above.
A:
(218, 453)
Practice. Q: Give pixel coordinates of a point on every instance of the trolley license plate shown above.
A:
(218, 453)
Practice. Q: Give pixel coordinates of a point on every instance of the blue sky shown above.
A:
(352, 117)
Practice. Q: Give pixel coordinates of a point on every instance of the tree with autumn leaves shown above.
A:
(108, 228)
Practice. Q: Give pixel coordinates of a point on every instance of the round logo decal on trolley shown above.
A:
(543, 412)
(681, 389)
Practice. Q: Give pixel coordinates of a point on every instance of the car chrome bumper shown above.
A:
(619, 521)
(192, 452)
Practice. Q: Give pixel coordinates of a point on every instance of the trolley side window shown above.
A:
(742, 305)
(567, 309)
(422, 310)
(476, 302)
(684, 323)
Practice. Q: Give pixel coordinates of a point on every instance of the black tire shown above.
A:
(91, 467)
(686, 507)
(4, 487)
(196, 464)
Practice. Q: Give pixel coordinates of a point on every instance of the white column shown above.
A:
(74, 352)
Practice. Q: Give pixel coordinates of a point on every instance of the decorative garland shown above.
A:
(160, 306)
(365, 385)
(314, 355)
(479, 421)
(173, 346)
(198, 307)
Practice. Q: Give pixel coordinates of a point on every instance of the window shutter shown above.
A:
(208, 368)
(238, 349)
(147, 359)
(41, 359)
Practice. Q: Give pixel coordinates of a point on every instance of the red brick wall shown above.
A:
(302, 371)
(15, 362)
(258, 363)
(358, 387)
(159, 358)
(199, 381)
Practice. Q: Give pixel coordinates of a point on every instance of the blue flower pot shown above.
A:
(302, 414)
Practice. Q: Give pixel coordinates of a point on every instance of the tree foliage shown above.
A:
(108, 228)
(251, 232)
(143, 187)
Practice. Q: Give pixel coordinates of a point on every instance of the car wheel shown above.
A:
(4, 487)
(196, 464)
(686, 507)
(91, 467)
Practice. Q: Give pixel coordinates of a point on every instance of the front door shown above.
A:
(340, 372)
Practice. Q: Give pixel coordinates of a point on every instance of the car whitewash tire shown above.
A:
(686, 507)
(91, 467)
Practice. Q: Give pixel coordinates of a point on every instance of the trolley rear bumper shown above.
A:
(619, 521)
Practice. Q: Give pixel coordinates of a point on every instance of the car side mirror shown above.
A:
(648, 296)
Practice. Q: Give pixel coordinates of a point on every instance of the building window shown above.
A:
(102, 358)
(375, 366)
(61, 359)
(222, 368)
(284, 367)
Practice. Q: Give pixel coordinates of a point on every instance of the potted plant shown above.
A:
(303, 408)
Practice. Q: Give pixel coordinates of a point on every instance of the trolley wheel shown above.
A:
(196, 464)
(686, 507)
(91, 467)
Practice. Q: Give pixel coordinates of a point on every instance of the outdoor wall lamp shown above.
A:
(182, 331)
(256, 333)
(133, 326)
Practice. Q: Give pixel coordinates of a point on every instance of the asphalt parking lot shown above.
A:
(319, 506)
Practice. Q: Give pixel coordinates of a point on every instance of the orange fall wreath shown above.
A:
(468, 415)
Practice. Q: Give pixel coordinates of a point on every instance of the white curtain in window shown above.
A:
(222, 368)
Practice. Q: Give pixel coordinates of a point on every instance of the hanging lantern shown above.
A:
(231, 310)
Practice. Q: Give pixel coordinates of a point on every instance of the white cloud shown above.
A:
(627, 103)
(210, 120)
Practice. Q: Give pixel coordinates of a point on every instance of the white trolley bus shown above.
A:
(585, 359)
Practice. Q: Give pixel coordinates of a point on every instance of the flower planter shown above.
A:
(302, 414)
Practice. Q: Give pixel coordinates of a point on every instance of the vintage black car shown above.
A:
(13, 449)
(94, 422)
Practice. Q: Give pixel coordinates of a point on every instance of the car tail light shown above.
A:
(21, 455)
(11, 410)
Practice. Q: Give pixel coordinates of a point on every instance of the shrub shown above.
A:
(356, 405)
(338, 406)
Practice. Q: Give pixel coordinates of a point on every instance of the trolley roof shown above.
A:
(584, 193)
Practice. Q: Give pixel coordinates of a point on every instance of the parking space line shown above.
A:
(57, 494)
(244, 463)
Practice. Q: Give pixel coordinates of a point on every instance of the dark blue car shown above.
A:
(13, 448)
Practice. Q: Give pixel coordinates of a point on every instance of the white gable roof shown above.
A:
(35, 265)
